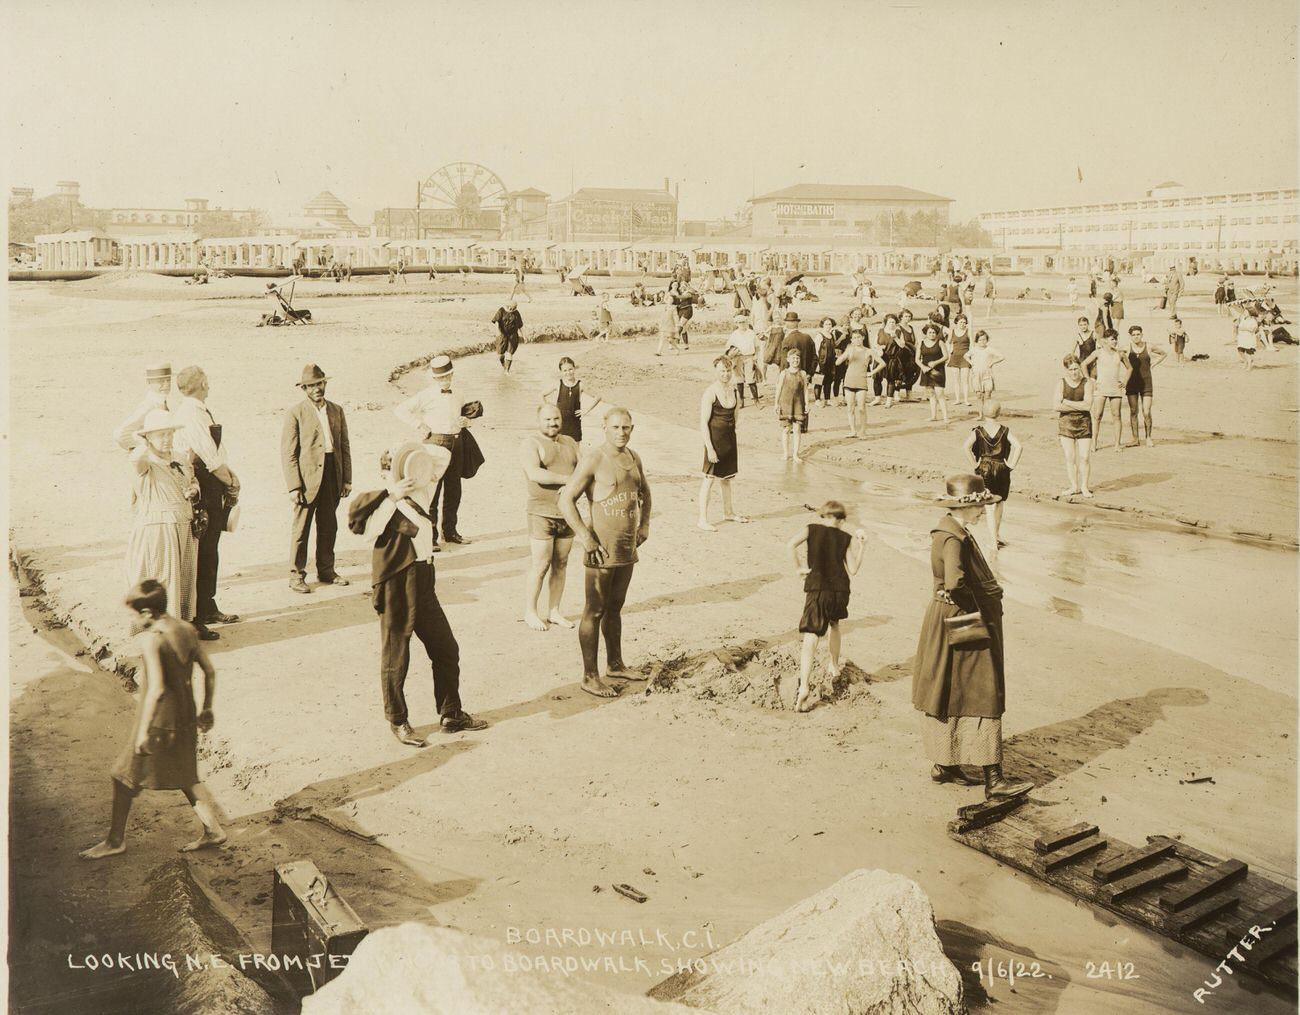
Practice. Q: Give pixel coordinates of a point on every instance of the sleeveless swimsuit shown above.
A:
(616, 517)
(722, 432)
(936, 378)
(1139, 379)
(1074, 423)
(569, 401)
(992, 453)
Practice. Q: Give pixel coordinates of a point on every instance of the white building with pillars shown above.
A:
(1233, 230)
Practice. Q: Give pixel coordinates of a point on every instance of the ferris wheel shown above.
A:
(466, 189)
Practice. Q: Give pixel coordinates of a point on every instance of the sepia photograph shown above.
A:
(626, 507)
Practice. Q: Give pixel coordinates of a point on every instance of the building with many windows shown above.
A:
(1241, 230)
(823, 210)
(612, 213)
(194, 215)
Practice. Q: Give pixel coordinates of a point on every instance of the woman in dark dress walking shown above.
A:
(161, 753)
(718, 428)
(959, 680)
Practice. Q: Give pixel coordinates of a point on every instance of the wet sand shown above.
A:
(1142, 650)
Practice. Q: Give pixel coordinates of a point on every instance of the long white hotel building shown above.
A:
(1249, 230)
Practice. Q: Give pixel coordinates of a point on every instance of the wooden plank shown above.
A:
(1110, 870)
(1163, 872)
(987, 814)
(1064, 836)
(1070, 854)
(1278, 944)
(1192, 916)
(1184, 851)
(1218, 877)
(1279, 914)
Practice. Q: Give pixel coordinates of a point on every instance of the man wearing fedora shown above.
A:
(317, 460)
(800, 341)
(397, 518)
(436, 414)
(158, 379)
(199, 439)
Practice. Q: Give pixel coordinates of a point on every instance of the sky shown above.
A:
(996, 104)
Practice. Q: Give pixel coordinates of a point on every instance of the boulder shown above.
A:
(413, 969)
(866, 945)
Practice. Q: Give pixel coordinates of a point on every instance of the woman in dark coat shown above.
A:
(961, 688)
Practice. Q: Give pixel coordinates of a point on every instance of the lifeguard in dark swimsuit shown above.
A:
(613, 481)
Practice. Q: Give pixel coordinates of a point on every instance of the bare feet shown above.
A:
(560, 620)
(1068, 493)
(801, 702)
(101, 850)
(740, 519)
(203, 841)
(535, 622)
(706, 526)
(1086, 493)
(592, 684)
(620, 671)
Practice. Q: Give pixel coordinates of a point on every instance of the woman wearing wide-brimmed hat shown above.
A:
(958, 681)
(163, 544)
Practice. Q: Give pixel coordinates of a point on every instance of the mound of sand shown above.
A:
(754, 675)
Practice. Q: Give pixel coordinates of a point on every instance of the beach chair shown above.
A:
(286, 314)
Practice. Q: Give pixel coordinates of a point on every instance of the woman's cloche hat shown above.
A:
(158, 421)
(967, 490)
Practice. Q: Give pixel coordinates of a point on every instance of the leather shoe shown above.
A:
(436, 548)
(217, 617)
(338, 579)
(1002, 789)
(953, 773)
(299, 585)
(204, 634)
(460, 721)
(406, 735)
(455, 537)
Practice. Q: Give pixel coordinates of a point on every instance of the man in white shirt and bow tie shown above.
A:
(317, 460)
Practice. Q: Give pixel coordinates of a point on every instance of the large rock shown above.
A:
(866, 946)
(413, 969)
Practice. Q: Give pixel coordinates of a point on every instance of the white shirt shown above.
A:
(195, 436)
(432, 409)
(125, 434)
(981, 359)
(322, 413)
(743, 341)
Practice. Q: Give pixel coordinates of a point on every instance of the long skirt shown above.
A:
(962, 740)
(168, 553)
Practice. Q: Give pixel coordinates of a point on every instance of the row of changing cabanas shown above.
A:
(181, 251)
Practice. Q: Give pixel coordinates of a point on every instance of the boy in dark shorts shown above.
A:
(832, 556)
(1178, 339)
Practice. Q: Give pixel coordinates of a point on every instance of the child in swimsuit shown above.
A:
(833, 555)
(983, 358)
(792, 403)
(1178, 339)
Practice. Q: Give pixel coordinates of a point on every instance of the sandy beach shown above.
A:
(1151, 639)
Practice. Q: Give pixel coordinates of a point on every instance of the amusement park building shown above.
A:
(608, 213)
(1231, 229)
(827, 210)
(156, 221)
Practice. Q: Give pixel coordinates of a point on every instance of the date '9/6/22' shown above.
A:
(991, 971)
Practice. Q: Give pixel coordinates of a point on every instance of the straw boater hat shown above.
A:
(158, 421)
(967, 490)
(312, 374)
(440, 366)
(158, 372)
(423, 464)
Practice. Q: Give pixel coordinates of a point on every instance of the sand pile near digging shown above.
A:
(756, 675)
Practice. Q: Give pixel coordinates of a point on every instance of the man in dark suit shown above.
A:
(317, 461)
(801, 342)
